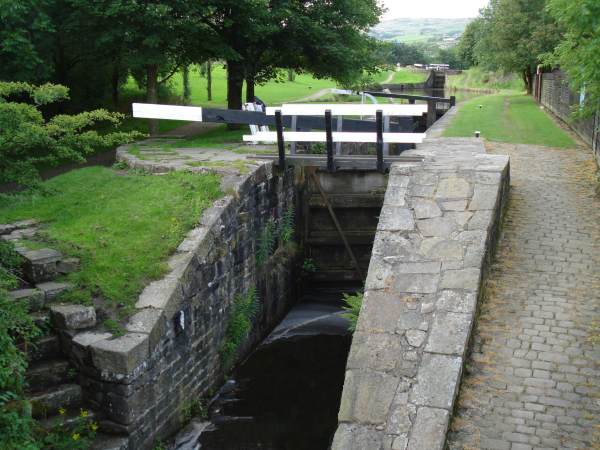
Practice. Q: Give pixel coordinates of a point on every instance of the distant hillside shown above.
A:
(420, 30)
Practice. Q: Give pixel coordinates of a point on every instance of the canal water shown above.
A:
(286, 394)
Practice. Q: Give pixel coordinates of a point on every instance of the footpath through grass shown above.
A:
(512, 118)
(122, 225)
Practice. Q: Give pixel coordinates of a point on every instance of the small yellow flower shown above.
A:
(94, 426)
(83, 413)
(62, 411)
(76, 436)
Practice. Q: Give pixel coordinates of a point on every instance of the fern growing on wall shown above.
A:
(266, 242)
(239, 324)
(286, 226)
(352, 308)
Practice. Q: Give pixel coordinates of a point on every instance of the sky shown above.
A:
(432, 8)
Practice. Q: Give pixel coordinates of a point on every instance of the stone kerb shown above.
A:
(434, 238)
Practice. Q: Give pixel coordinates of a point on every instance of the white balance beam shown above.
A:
(346, 109)
(168, 112)
(343, 136)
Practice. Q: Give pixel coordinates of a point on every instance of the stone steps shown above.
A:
(69, 420)
(45, 374)
(44, 348)
(47, 403)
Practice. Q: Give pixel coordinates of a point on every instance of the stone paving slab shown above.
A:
(435, 232)
(533, 380)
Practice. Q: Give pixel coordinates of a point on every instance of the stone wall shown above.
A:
(434, 241)
(169, 357)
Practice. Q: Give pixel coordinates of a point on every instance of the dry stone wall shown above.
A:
(435, 236)
(170, 355)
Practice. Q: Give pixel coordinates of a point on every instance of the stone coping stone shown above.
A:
(438, 223)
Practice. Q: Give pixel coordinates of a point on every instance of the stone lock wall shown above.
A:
(170, 354)
(434, 239)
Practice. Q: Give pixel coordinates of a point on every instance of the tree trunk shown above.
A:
(235, 83)
(152, 94)
(250, 89)
(528, 79)
(186, 85)
(114, 84)
(209, 79)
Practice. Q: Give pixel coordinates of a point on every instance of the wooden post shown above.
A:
(379, 145)
(329, 144)
(280, 142)
(431, 113)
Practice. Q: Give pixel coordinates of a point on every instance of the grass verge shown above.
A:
(508, 118)
(122, 225)
(479, 79)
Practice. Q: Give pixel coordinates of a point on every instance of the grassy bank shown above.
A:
(514, 118)
(122, 225)
(403, 76)
(479, 79)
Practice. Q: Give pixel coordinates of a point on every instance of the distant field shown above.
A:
(508, 118)
(418, 30)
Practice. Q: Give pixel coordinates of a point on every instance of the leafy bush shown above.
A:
(10, 266)
(17, 330)
(76, 436)
(352, 308)
(29, 143)
(242, 313)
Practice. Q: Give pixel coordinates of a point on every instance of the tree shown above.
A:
(24, 31)
(515, 33)
(405, 54)
(29, 142)
(325, 37)
(472, 35)
(578, 53)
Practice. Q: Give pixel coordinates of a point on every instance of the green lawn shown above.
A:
(514, 118)
(218, 137)
(408, 76)
(271, 93)
(123, 225)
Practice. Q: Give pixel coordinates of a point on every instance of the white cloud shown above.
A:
(432, 8)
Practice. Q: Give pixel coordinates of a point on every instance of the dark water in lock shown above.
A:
(286, 395)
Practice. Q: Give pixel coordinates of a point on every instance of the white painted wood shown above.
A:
(345, 136)
(251, 107)
(168, 112)
(346, 109)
